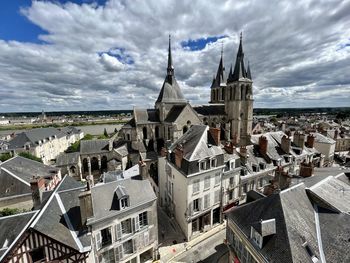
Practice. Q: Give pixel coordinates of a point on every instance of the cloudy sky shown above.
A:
(95, 55)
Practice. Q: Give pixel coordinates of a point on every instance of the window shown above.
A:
(213, 163)
(232, 180)
(207, 182)
(206, 201)
(127, 247)
(244, 188)
(230, 195)
(202, 165)
(195, 186)
(126, 226)
(143, 219)
(38, 254)
(216, 196)
(123, 203)
(107, 256)
(217, 178)
(106, 236)
(196, 205)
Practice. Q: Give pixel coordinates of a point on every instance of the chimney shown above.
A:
(230, 148)
(143, 169)
(37, 186)
(263, 142)
(179, 154)
(285, 144)
(310, 141)
(299, 139)
(306, 169)
(215, 133)
(85, 203)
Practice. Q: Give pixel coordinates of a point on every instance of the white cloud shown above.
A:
(297, 52)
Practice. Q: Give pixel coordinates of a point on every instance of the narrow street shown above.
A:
(210, 250)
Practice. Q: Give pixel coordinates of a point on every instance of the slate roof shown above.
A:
(294, 211)
(32, 137)
(26, 169)
(207, 110)
(323, 139)
(93, 146)
(60, 217)
(195, 144)
(11, 186)
(67, 158)
(143, 116)
(104, 199)
(174, 113)
(11, 227)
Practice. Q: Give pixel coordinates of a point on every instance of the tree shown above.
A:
(9, 211)
(105, 133)
(30, 156)
(5, 156)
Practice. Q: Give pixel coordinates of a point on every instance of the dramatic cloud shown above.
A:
(113, 55)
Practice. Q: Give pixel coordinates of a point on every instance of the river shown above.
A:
(87, 129)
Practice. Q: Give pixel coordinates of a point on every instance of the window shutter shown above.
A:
(118, 231)
(137, 223)
(119, 253)
(98, 240)
(149, 218)
(199, 204)
(190, 208)
(134, 246)
(146, 238)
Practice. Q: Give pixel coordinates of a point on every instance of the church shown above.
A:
(230, 109)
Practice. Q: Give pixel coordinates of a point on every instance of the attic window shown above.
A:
(122, 197)
(123, 203)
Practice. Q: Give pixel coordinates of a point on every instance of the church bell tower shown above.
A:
(239, 100)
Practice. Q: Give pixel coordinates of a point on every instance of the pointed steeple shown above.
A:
(249, 75)
(220, 78)
(170, 68)
(239, 70)
(230, 73)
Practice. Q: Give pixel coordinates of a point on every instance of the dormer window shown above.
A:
(213, 163)
(122, 197)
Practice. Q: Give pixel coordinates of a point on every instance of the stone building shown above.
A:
(231, 101)
(122, 221)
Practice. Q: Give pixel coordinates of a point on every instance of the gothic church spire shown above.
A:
(239, 69)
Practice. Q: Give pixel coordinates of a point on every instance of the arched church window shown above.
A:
(144, 132)
(223, 93)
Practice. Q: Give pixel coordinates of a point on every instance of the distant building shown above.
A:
(44, 143)
(299, 224)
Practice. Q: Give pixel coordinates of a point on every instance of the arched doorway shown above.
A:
(104, 163)
(144, 133)
(94, 164)
(85, 166)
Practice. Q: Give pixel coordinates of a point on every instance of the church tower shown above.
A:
(170, 94)
(218, 86)
(239, 100)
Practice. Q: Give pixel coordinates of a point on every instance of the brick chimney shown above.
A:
(310, 141)
(306, 169)
(230, 148)
(215, 133)
(179, 154)
(299, 139)
(37, 185)
(85, 203)
(285, 144)
(263, 142)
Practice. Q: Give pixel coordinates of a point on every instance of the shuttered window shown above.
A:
(206, 201)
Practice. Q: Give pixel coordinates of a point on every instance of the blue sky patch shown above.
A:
(200, 43)
(120, 54)
(15, 26)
